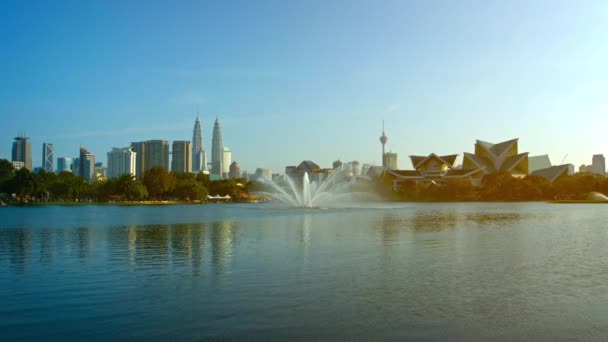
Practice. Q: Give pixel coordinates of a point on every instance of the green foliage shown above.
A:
(188, 187)
(6, 172)
(159, 182)
(68, 187)
(22, 183)
(235, 188)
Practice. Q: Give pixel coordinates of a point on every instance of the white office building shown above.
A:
(121, 161)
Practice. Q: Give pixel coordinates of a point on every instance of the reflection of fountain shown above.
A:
(311, 194)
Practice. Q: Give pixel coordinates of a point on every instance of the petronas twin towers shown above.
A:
(199, 157)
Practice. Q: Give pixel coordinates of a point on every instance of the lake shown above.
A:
(473, 271)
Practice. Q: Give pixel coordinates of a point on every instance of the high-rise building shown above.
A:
(226, 161)
(17, 165)
(121, 161)
(140, 155)
(235, 170)
(64, 164)
(76, 166)
(22, 151)
(390, 161)
(182, 156)
(337, 164)
(47, 157)
(87, 165)
(263, 173)
(383, 140)
(217, 150)
(598, 164)
(149, 154)
(157, 154)
(198, 149)
(101, 172)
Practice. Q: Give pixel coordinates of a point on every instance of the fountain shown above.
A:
(597, 196)
(311, 194)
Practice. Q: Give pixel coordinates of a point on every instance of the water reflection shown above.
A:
(418, 272)
(421, 221)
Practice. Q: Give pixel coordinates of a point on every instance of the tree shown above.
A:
(68, 187)
(187, 187)
(129, 188)
(203, 179)
(6, 172)
(235, 188)
(158, 182)
(22, 183)
(43, 181)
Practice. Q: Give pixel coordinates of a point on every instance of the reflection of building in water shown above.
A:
(222, 243)
(83, 242)
(19, 244)
(132, 238)
(46, 245)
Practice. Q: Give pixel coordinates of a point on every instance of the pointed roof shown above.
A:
(552, 173)
(308, 165)
(475, 159)
(497, 149)
(511, 162)
(418, 161)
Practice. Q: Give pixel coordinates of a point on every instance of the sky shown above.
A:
(307, 80)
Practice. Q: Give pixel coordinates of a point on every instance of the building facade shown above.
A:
(48, 157)
(86, 169)
(198, 149)
(598, 164)
(121, 161)
(226, 161)
(263, 173)
(217, 150)
(390, 161)
(149, 154)
(235, 170)
(64, 164)
(488, 158)
(181, 156)
(22, 152)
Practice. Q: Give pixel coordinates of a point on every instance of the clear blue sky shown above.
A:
(294, 80)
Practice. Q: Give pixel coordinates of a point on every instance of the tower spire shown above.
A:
(383, 140)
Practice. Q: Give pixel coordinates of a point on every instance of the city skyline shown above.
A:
(468, 69)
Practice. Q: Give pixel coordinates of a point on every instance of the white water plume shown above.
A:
(310, 194)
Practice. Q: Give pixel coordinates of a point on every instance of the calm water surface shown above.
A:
(412, 271)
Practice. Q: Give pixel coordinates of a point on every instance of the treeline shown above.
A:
(498, 187)
(158, 184)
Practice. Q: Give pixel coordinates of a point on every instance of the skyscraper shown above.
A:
(217, 150)
(22, 151)
(149, 154)
(198, 151)
(390, 161)
(226, 160)
(182, 156)
(598, 165)
(383, 140)
(140, 155)
(64, 164)
(235, 170)
(47, 157)
(121, 161)
(87, 165)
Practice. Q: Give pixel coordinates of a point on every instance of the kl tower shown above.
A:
(383, 140)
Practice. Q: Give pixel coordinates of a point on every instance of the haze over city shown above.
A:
(312, 80)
